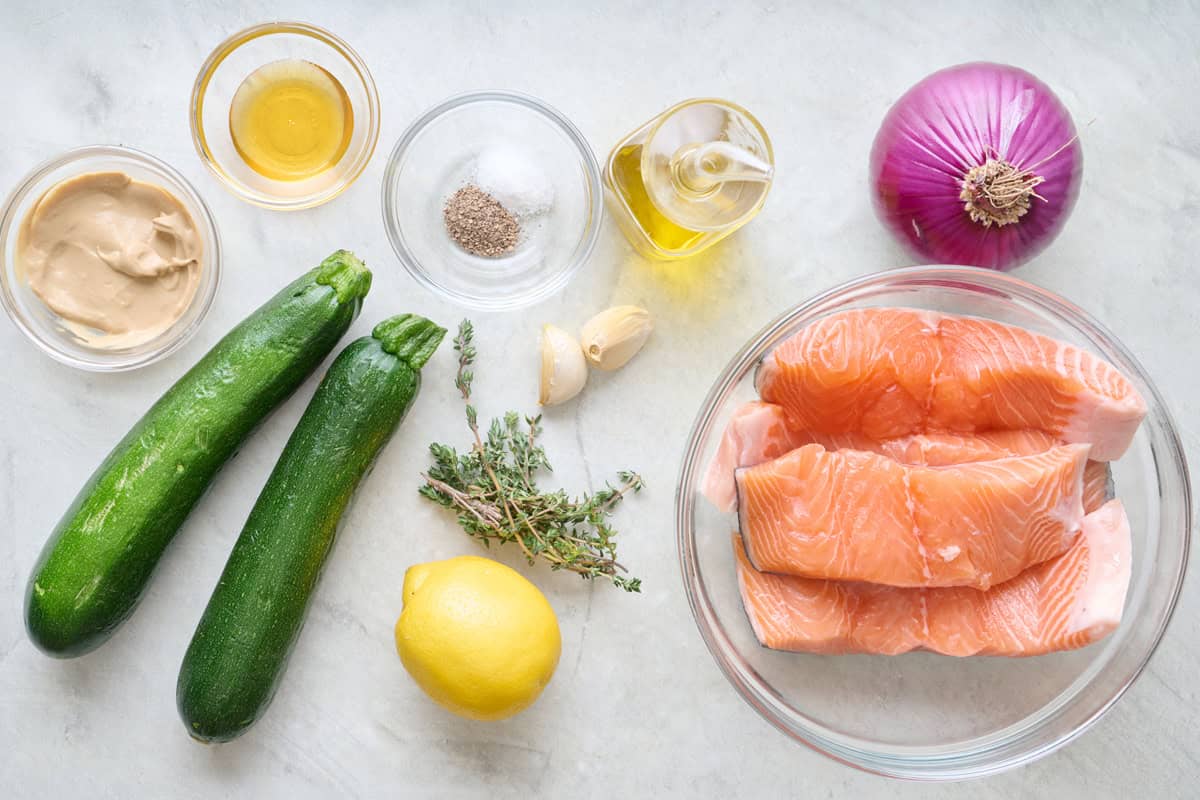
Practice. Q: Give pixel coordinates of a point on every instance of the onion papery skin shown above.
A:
(952, 121)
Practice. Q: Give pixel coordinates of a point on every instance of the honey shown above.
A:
(291, 120)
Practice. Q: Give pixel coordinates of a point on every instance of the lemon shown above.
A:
(476, 636)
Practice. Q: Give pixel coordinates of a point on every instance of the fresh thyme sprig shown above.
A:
(493, 491)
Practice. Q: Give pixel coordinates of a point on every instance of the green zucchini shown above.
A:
(99, 558)
(243, 641)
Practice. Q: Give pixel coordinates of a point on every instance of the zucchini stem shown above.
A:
(410, 338)
(346, 274)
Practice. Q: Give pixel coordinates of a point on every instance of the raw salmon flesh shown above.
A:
(1065, 603)
(912, 480)
(759, 432)
(857, 515)
(888, 372)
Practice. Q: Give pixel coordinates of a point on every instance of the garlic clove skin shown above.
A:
(564, 369)
(615, 335)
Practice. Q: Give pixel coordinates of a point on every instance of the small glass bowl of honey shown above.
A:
(285, 114)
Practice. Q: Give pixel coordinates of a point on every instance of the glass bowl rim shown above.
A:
(205, 294)
(586, 243)
(200, 88)
(921, 763)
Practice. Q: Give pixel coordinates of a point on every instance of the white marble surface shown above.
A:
(637, 708)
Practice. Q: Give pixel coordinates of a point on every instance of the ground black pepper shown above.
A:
(479, 223)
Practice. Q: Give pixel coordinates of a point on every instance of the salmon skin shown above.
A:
(759, 432)
(889, 372)
(861, 516)
(1062, 604)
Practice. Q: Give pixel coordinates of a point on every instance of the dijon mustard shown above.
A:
(119, 260)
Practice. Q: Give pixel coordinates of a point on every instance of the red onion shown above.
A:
(977, 164)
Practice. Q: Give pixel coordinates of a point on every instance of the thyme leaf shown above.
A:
(492, 490)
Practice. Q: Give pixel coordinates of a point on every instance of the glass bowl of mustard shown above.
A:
(285, 114)
(109, 258)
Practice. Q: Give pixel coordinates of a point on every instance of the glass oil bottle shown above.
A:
(689, 177)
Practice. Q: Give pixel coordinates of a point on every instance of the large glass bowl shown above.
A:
(921, 715)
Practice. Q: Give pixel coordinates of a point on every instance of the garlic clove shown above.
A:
(615, 335)
(564, 369)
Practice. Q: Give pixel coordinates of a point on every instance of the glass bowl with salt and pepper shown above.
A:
(492, 199)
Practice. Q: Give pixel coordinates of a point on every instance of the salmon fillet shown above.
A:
(857, 515)
(756, 432)
(889, 372)
(1098, 486)
(1062, 604)
(759, 432)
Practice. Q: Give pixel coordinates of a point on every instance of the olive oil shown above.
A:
(689, 177)
(291, 120)
(626, 176)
